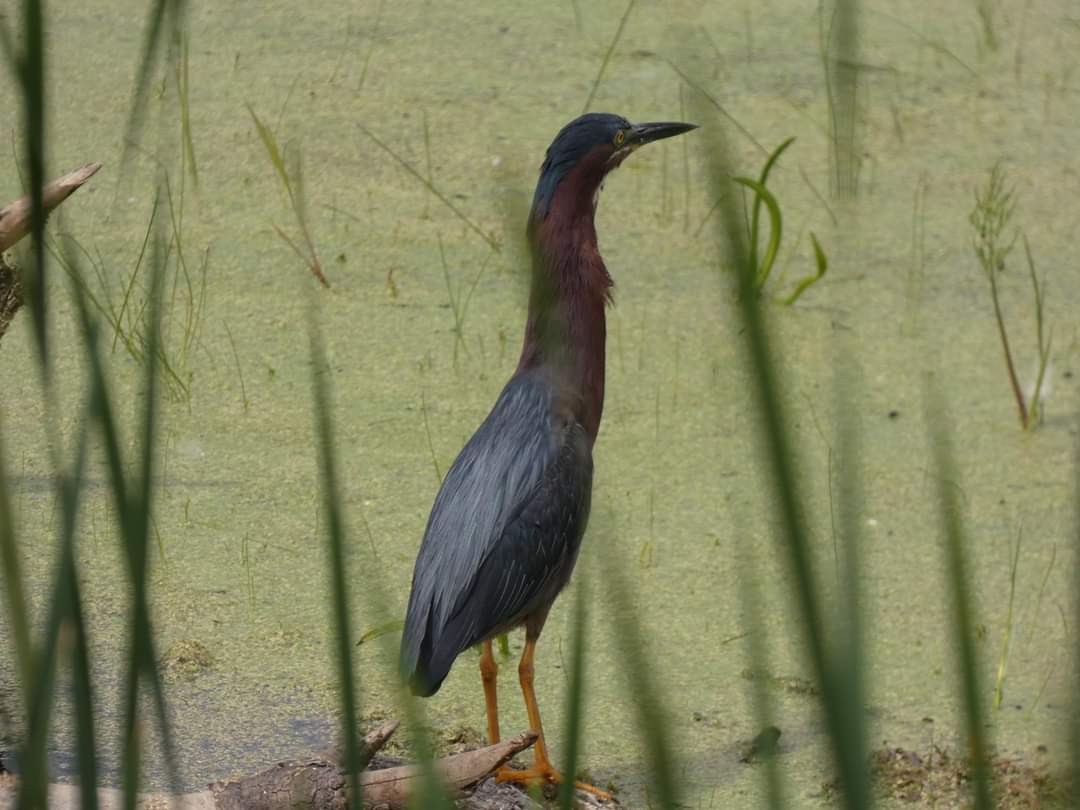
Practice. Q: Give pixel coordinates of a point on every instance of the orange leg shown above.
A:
(542, 768)
(489, 671)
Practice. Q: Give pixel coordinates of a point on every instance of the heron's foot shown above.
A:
(545, 773)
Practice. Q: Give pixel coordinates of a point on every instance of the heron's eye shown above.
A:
(620, 138)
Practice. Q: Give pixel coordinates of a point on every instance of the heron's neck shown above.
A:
(566, 330)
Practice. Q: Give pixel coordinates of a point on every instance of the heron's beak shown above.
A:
(647, 133)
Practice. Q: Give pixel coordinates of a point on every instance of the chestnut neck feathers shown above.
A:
(566, 329)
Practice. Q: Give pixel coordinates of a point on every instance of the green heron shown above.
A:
(506, 526)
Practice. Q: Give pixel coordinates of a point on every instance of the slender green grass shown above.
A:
(914, 286)
(649, 711)
(819, 196)
(686, 182)
(427, 432)
(757, 655)
(763, 267)
(488, 238)
(126, 312)
(607, 55)
(30, 69)
(291, 178)
(984, 9)
(573, 723)
(1003, 659)
(848, 651)
(700, 88)
(766, 265)
(458, 308)
(936, 45)
(762, 273)
(963, 619)
(239, 368)
(65, 614)
(133, 503)
(1073, 732)
(838, 37)
(821, 266)
(371, 48)
(132, 498)
(15, 596)
(427, 157)
(165, 25)
(335, 535)
(117, 319)
(1044, 340)
(831, 670)
(183, 87)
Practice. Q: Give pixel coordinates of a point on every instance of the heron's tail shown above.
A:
(425, 659)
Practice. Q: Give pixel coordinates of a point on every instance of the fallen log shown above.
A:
(320, 782)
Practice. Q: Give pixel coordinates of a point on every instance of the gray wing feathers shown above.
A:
(492, 477)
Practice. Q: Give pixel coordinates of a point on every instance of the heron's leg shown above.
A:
(489, 671)
(542, 768)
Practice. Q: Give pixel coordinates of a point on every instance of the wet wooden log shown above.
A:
(321, 783)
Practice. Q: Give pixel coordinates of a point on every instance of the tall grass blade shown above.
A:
(717, 106)
(840, 57)
(133, 503)
(1074, 721)
(756, 652)
(821, 266)
(183, 87)
(575, 698)
(31, 75)
(12, 578)
(847, 654)
(163, 29)
(776, 230)
(607, 56)
(85, 736)
(963, 619)
(335, 536)
(755, 217)
(779, 456)
(33, 788)
(648, 704)
(408, 167)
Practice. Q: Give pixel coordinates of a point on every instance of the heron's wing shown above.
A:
(532, 559)
(492, 487)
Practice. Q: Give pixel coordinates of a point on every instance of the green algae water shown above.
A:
(470, 97)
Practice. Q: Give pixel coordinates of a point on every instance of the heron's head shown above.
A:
(586, 149)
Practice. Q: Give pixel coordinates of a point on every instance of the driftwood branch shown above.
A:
(15, 224)
(15, 217)
(320, 782)
(393, 786)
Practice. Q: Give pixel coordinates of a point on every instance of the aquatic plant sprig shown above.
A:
(292, 181)
(763, 196)
(991, 218)
(1044, 340)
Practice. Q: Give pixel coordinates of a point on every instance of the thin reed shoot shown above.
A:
(291, 178)
(1003, 658)
(993, 240)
